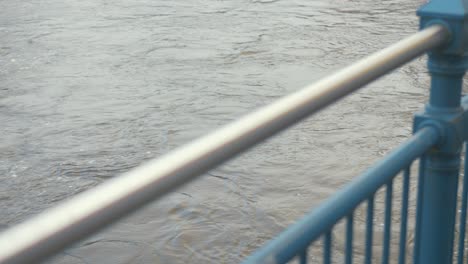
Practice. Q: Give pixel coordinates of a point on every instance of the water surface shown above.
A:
(90, 89)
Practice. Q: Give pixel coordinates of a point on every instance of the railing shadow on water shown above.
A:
(428, 204)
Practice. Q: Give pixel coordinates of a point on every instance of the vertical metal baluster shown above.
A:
(388, 223)
(327, 248)
(349, 239)
(369, 231)
(461, 237)
(303, 257)
(404, 216)
(417, 229)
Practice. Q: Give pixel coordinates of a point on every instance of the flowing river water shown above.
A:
(92, 88)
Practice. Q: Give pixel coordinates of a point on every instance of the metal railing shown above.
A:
(439, 133)
(320, 222)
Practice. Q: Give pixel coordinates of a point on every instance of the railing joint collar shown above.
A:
(450, 127)
(453, 15)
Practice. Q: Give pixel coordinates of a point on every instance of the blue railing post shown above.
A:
(435, 234)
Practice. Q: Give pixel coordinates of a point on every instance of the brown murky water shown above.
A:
(92, 88)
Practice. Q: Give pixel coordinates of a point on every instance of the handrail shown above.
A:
(310, 227)
(94, 209)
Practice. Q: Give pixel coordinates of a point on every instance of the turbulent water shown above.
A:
(92, 88)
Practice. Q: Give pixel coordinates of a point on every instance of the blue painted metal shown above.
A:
(447, 66)
(327, 248)
(453, 14)
(447, 119)
(369, 227)
(303, 257)
(404, 216)
(419, 206)
(349, 239)
(439, 208)
(462, 229)
(288, 244)
(388, 223)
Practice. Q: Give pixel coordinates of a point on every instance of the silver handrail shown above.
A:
(72, 220)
